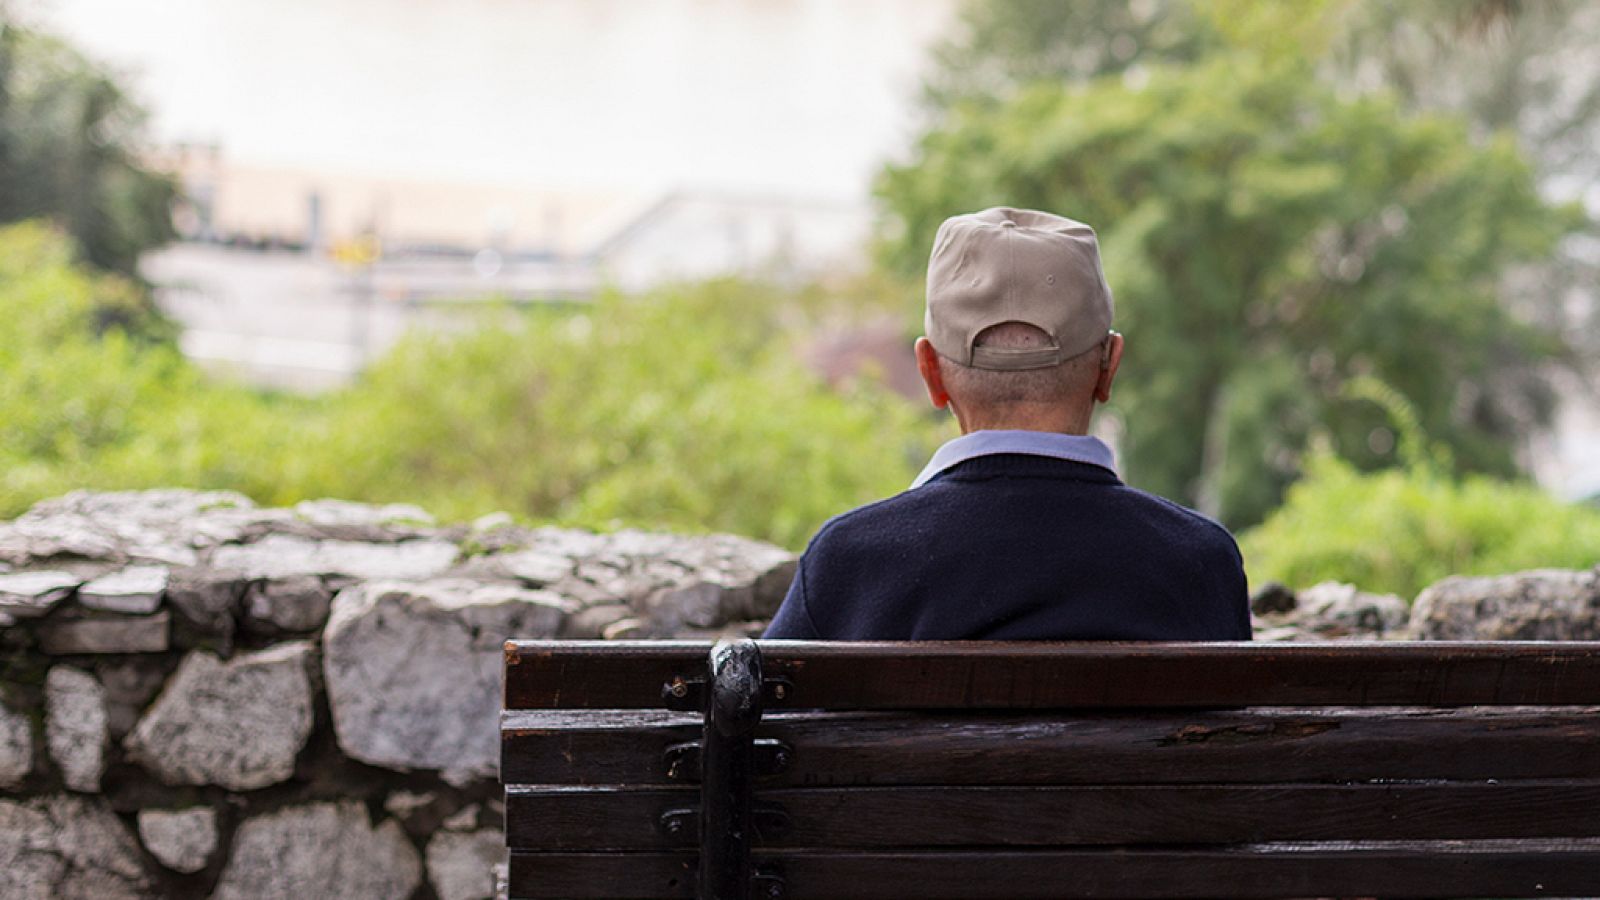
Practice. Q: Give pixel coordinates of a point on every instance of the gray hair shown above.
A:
(996, 390)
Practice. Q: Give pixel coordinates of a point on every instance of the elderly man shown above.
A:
(1020, 527)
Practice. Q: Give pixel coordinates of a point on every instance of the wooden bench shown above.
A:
(797, 770)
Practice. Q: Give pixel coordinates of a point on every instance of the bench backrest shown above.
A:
(810, 770)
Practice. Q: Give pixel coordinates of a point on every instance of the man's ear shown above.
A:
(928, 367)
(1108, 368)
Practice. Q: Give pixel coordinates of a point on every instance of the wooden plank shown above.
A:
(1375, 869)
(1239, 746)
(614, 876)
(590, 818)
(1028, 675)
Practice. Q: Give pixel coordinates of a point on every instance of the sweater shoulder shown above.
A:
(1198, 520)
(888, 512)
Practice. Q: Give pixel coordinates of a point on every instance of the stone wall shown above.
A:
(200, 697)
(1541, 605)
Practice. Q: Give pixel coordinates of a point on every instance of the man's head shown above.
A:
(1018, 322)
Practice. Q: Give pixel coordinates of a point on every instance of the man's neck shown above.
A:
(1051, 420)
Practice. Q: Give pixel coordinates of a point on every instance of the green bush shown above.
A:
(1399, 530)
(683, 408)
(92, 396)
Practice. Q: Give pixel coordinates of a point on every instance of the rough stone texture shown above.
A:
(26, 595)
(1339, 610)
(324, 850)
(413, 671)
(106, 634)
(349, 521)
(194, 721)
(183, 840)
(135, 589)
(159, 526)
(298, 603)
(1542, 605)
(130, 684)
(16, 747)
(76, 727)
(67, 848)
(537, 567)
(207, 597)
(461, 864)
(587, 624)
(239, 724)
(174, 526)
(731, 578)
(286, 555)
(1272, 597)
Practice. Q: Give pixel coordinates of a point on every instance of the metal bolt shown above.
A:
(780, 760)
(673, 825)
(774, 890)
(779, 691)
(679, 689)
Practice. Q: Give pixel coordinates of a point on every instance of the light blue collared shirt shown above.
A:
(1074, 447)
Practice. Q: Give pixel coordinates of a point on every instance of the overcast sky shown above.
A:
(791, 96)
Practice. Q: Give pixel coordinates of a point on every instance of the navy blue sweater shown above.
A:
(1014, 547)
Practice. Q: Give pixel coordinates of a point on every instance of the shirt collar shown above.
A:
(1074, 447)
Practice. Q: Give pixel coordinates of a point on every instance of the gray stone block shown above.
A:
(135, 589)
(461, 863)
(298, 603)
(16, 747)
(323, 850)
(76, 727)
(413, 670)
(106, 634)
(68, 848)
(27, 595)
(183, 840)
(1540, 605)
(238, 724)
(282, 556)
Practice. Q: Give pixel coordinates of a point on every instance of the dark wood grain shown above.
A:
(919, 817)
(1061, 770)
(1157, 747)
(1388, 869)
(1021, 675)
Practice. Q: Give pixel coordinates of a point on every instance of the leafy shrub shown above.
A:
(682, 408)
(92, 396)
(1399, 530)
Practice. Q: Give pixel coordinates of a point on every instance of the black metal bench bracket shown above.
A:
(682, 761)
(728, 771)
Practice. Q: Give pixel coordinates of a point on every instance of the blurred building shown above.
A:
(296, 278)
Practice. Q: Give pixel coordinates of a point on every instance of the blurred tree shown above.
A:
(1001, 45)
(1505, 65)
(681, 408)
(1267, 240)
(70, 151)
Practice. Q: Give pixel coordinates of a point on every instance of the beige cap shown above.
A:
(1016, 265)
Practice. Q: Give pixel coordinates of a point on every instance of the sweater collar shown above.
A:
(1073, 447)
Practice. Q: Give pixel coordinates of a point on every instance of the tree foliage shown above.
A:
(1268, 238)
(1523, 68)
(679, 409)
(1400, 530)
(72, 150)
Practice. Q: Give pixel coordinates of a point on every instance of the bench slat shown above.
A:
(577, 818)
(1242, 746)
(1025, 675)
(1540, 868)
